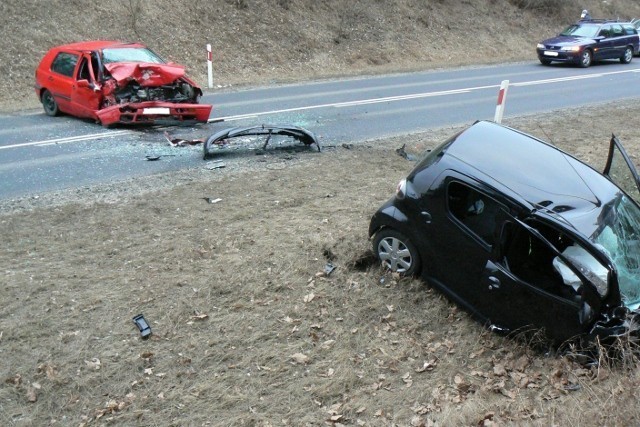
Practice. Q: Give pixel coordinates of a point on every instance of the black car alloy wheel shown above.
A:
(396, 252)
(585, 58)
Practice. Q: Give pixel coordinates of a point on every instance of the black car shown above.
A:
(521, 234)
(591, 40)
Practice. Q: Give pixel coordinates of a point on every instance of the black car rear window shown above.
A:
(64, 63)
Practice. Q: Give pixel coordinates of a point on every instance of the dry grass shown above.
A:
(246, 329)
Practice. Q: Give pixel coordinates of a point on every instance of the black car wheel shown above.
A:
(545, 61)
(49, 104)
(585, 58)
(396, 252)
(628, 55)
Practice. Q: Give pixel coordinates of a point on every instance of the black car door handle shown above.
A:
(494, 283)
(427, 216)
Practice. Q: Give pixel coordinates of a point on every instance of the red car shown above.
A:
(114, 82)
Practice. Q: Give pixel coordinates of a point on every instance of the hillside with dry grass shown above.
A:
(270, 41)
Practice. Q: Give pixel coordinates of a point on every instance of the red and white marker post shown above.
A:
(502, 99)
(210, 65)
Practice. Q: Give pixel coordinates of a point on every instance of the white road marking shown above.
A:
(557, 80)
(81, 138)
(348, 103)
(69, 139)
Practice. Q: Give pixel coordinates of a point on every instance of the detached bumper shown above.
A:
(153, 112)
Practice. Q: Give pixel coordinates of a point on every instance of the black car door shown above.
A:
(534, 286)
(465, 213)
(604, 47)
(619, 41)
(621, 171)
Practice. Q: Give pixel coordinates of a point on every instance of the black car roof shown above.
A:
(529, 169)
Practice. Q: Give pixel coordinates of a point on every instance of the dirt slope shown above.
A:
(263, 41)
(247, 331)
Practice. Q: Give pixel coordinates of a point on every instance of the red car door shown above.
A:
(86, 94)
(60, 79)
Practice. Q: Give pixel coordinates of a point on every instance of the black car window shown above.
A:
(534, 262)
(95, 67)
(476, 211)
(629, 30)
(605, 31)
(83, 73)
(616, 30)
(64, 63)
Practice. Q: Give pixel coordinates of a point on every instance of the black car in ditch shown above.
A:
(591, 40)
(521, 234)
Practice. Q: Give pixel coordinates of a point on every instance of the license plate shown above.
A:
(156, 110)
(550, 53)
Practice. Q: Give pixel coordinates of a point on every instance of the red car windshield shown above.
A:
(130, 54)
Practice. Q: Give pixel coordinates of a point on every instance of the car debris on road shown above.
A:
(221, 138)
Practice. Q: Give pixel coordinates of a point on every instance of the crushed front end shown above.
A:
(141, 93)
(618, 323)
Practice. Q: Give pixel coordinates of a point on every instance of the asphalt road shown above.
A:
(40, 153)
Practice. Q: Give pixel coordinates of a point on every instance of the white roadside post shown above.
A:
(210, 65)
(502, 97)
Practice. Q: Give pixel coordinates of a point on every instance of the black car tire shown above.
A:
(585, 58)
(627, 56)
(49, 104)
(545, 61)
(396, 252)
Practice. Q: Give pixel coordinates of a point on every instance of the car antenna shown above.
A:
(545, 133)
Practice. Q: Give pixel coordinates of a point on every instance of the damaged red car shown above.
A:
(117, 83)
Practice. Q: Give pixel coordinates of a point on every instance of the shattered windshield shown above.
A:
(619, 235)
(130, 54)
(584, 30)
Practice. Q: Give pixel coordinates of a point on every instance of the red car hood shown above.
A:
(146, 74)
